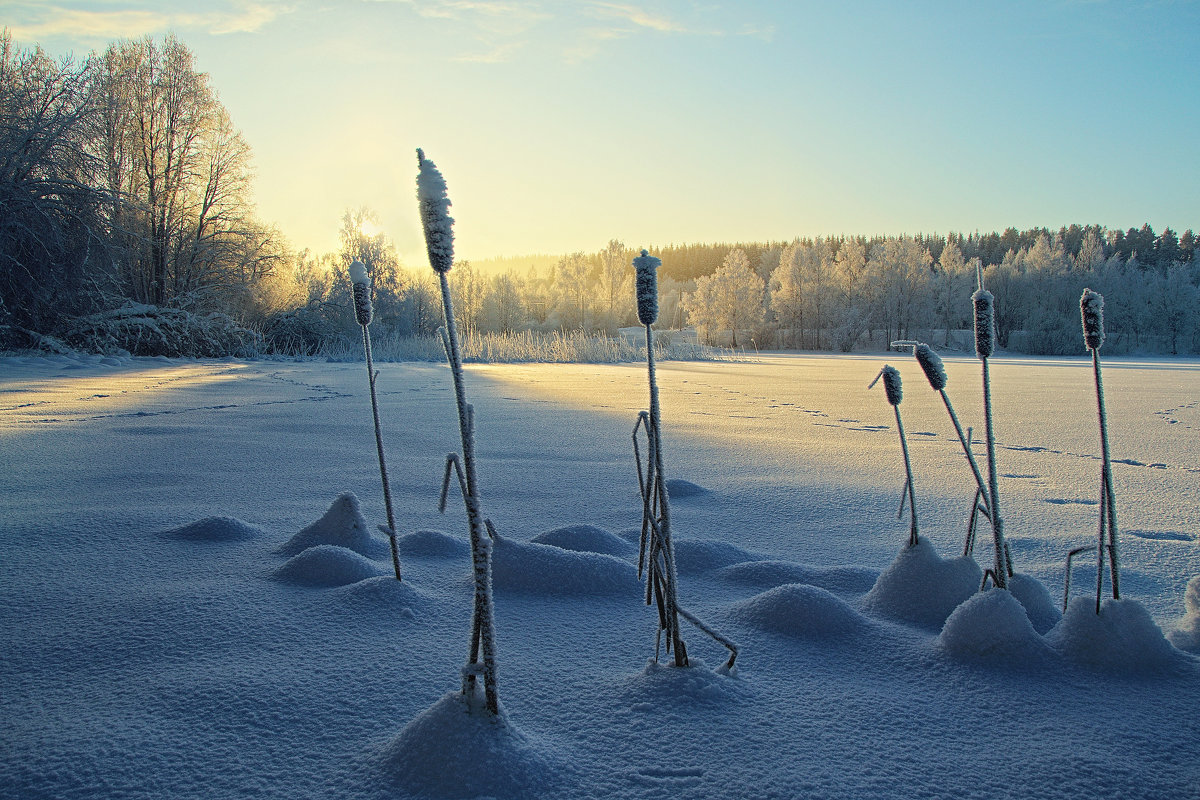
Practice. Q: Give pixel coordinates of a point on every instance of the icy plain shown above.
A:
(158, 637)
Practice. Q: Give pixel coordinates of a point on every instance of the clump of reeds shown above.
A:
(935, 372)
(893, 388)
(363, 312)
(985, 345)
(1091, 306)
(439, 244)
(656, 556)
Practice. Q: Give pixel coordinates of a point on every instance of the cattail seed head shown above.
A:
(985, 323)
(362, 293)
(435, 216)
(1091, 306)
(647, 287)
(891, 385)
(931, 363)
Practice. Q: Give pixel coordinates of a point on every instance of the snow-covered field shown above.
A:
(156, 643)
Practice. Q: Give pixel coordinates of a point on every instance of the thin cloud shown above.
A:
(638, 17)
(91, 25)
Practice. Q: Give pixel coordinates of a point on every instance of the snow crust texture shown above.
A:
(586, 538)
(494, 757)
(544, 569)
(1122, 638)
(920, 586)
(143, 658)
(326, 565)
(215, 529)
(800, 610)
(993, 626)
(342, 525)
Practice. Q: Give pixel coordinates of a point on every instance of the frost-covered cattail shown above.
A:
(435, 214)
(985, 345)
(895, 393)
(1091, 306)
(439, 242)
(361, 283)
(931, 364)
(362, 293)
(647, 287)
(985, 323)
(935, 372)
(891, 385)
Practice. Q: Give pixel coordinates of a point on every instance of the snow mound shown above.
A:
(799, 610)
(1186, 634)
(662, 683)
(704, 555)
(342, 525)
(545, 569)
(768, 574)
(215, 529)
(921, 587)
(1122, 638)
(992, 625)
(326, 565)
(586, 538)
(679, 489)
(433, 544)
(382, 591)
(1035, 597)
(491, 757)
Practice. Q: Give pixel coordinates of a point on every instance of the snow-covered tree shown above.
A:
(573, 271)
(729, 299)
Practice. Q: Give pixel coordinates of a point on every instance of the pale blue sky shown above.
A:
(561, 125)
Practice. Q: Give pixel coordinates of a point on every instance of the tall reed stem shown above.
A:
(671, 598)
(383, 473)
(439, 242)
(360, 282)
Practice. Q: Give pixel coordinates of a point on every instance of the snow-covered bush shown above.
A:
(144, 330)
(300, 332)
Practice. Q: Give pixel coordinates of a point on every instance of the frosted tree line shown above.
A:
(853, 293)
(126, 224)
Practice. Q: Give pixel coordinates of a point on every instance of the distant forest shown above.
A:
(126, 226)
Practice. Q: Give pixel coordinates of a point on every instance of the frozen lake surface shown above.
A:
(156, 642)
